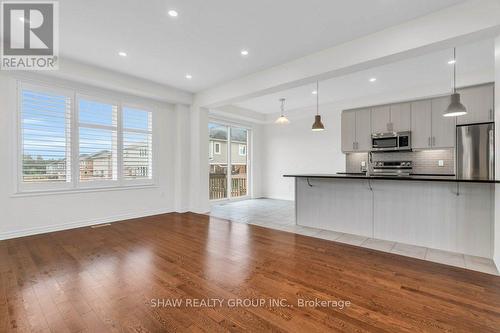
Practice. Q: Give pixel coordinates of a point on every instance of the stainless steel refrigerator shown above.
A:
(476, 151)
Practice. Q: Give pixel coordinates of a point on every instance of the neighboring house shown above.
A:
(218, 155)
(100, 165)
(56, 169)
(136, 161)
(218, 152)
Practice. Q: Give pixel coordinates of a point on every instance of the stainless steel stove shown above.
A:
(392, 168)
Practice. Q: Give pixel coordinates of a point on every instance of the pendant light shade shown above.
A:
(282, 120)
(456, 108)
(318, 125)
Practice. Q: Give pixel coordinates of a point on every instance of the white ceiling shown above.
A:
(206, 38)
(429, 74)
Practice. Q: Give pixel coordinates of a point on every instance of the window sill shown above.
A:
(35, 193)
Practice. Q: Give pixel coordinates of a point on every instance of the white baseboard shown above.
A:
(277, 197)
(78, 224)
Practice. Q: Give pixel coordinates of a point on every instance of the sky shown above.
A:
(45, 118)
(220, 132)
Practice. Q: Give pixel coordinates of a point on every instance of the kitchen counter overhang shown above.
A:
(440, 212)
(433, 178)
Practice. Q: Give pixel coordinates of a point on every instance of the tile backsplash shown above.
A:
(424, 161)
(353, 161)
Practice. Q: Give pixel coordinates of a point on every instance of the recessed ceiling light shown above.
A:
(244, 52)
(122, 54)
(189, 76)
(173, 13)
(314, 92)
(373, 79)
(451, 62)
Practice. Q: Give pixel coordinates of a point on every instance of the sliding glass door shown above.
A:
(218, 158)
(228, 158)
(239, 162)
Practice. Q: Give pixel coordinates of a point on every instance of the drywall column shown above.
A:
(199, 168)
(182, 157)
(496, 233)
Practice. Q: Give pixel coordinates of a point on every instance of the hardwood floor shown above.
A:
(108, 279)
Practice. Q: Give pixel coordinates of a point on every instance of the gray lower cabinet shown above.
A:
(421, 119)
(356, 130)
(341, 205)
(479, 103)
(443, 128)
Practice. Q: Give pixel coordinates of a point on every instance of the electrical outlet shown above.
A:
(441, 163)
(363, 163)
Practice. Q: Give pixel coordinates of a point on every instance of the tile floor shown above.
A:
(280, 215)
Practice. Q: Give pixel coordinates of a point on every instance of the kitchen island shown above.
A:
(440, 212)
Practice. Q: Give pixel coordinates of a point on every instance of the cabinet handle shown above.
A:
(429, 141)
(353, 145)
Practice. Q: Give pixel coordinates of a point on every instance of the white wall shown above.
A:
(496, 233)
(72, 70)
(182, 158)
(22, 215)
(294, 148)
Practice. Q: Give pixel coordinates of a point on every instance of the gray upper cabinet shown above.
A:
(356, 130)
(348, 131)
(421, 119)
(381, 119)
(479, 103)
(443, 128)
(429, 129)
(424, 118)
(400, 117)
(391, 118)
(363, 130)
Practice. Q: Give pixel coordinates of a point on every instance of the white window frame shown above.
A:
(211, 150)
(217, 151)
(242, 147)
(74, 185)
(25, 186)
(76, 168)
(137, 182)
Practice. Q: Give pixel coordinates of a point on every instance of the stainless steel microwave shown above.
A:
(392, 141)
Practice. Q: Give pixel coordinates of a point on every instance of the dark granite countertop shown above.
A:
(434, 178)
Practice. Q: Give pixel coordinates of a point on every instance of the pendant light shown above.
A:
(282, 120)
(318, 125)
(455, 108)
